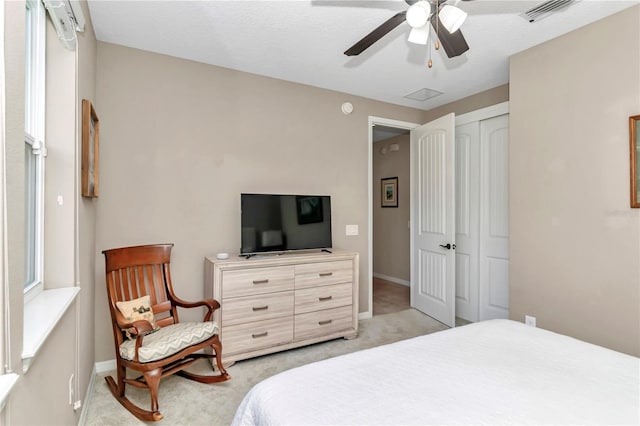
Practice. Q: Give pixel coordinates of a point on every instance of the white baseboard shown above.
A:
(392, 279)
(98, 368)
(105, 366)
(87, 397)
(365, 315)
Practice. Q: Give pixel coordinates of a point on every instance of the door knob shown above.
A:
(448, 246)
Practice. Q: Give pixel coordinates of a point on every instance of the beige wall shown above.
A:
(473, 102)
(575, 243)
(14, 18)
(87, 212)
(391, 236)
(181, 140)
(70, 228)
(59, 219)
(41, 395)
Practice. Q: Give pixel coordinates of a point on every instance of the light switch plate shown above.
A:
(352, 230)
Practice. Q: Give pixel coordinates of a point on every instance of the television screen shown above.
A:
(285, 222)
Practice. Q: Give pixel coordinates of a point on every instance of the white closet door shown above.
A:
(467, 219)
(494, 218)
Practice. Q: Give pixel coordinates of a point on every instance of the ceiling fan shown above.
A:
(445, 19)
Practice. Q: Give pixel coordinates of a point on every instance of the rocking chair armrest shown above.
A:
(211, 305)
(142, 327)
(122, 321)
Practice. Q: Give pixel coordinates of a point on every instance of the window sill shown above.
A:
(43, 313)
(7, 381)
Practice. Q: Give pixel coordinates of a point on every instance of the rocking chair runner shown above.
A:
(158, 345)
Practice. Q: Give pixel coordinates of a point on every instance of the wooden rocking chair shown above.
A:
(147, 333)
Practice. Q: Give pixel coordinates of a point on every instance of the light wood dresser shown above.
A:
(278, 302)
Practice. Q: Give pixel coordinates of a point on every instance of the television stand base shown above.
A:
(326, 251)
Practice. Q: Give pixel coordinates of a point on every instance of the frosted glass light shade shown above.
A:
(418, 14)
(452, 17)
(419, 35)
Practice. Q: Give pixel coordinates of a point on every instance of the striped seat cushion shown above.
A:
(169, 340)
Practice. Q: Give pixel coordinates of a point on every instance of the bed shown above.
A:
(491, 372)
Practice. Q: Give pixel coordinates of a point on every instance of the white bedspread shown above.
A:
(492, 372)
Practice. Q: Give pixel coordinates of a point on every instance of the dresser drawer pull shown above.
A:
(326, 274)
(260, 281)
(260, 308)
(324, 299)
(325, 322)
(257, 335)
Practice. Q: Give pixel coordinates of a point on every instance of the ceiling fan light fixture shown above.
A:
(418, 14)
(419, 35)
(452, 17)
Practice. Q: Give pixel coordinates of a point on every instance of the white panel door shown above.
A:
(494, 218)
(433, 220)
(467, 219)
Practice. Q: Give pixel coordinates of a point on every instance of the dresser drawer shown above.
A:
(239, 310)
(321, 323)
(256, 335)
(323, 273)
(323, 297)
(257, 281)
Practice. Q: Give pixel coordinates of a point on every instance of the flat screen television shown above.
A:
(278, 223)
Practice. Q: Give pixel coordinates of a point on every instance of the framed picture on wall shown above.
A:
(90, 151)
(389, 195)
(634, 150)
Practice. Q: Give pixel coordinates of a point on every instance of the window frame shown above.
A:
(35, 73)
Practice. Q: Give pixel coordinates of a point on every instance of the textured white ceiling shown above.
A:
(304, 40)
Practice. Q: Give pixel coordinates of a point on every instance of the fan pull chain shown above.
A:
(437, 30)
(430, 62)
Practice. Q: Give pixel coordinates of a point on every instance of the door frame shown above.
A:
(476, 115)
(380, 121)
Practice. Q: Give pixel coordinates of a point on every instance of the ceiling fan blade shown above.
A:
(454, 44)
(376, 34)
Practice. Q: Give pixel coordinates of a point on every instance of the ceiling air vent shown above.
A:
(544, 9)
(423, 94)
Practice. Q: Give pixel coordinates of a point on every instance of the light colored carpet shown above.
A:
(184, 402)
